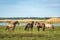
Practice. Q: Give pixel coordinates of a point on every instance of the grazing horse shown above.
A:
(29, 25)
(11, 25)
(40, 25)
(44, 26)
(49, 26)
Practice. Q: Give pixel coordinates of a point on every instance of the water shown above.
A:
(56, 24)
(4, 24)
(24, 24)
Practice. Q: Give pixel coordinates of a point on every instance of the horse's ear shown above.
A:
(36, 22)
(32, 21)
(17, 21)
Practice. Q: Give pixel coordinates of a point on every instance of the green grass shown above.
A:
(20, 34)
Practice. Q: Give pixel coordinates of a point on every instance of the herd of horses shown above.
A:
(29, 26)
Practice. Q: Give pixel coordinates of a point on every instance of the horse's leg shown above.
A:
(13, 28)
(43, 28)
(53, 28)
(38, 28)
(7, 28)
(28, 28)
(31, 28)
(25, 28)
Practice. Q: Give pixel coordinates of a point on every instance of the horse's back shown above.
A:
(48, 25)
(10, 25)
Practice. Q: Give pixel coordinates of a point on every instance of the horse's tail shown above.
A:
(52, 27)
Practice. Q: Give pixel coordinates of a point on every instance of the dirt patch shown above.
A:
(22, 35)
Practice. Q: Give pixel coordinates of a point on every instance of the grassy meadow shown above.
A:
(20, 34)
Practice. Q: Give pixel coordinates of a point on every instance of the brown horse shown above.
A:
(11, 25)
(29, 25)
(44, 26)
(40, 25)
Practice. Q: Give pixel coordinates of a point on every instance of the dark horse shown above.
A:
(12, 25)
(40, 25)
(29, 25)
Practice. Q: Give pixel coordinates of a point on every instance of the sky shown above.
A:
(29, 8)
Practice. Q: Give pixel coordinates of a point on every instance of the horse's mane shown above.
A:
(15, 22)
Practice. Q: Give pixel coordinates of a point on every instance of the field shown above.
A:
(20, 34)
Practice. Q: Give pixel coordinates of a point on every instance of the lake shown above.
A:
(4, 24)
(23, 24)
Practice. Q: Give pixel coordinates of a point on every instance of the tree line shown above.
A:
(25, 18)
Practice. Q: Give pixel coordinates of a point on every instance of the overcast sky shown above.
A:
(29, 8)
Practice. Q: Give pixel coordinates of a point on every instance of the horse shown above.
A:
(49, 26)
(11, 25)
(29, 25)
(44, 26)
(40, 25)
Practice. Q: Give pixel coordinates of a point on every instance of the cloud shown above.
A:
(54, 5)
(8, 2)
(45, 0)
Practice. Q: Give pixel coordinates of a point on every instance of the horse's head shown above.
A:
(16, 22)
(32, 22)
(36, 23)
